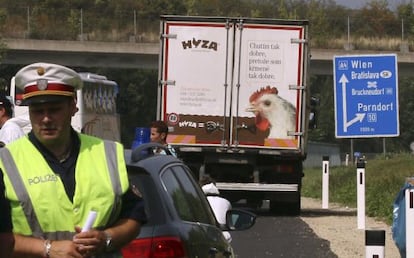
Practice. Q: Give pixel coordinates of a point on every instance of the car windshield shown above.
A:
(187, 200)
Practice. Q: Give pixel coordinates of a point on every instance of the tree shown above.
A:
(137, 99)
(376, 19)
(406, 15)
(322, 89)
(406, 107)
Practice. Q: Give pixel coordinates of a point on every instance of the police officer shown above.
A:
(54, 177)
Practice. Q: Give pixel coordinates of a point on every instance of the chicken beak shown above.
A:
(261, 122)
(251, 109)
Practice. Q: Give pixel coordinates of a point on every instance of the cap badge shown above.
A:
(40, 70)
(42, 84)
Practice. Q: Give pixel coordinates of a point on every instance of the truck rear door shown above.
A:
(195, 80)
(269, 74)
(233, 82)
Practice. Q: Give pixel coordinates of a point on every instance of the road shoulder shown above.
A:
(339, 225)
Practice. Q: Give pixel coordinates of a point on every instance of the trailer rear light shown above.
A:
(286, 168)
(158, 247)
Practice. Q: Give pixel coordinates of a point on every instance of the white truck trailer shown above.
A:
(235, 95)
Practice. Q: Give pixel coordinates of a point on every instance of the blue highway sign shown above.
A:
(366, 96)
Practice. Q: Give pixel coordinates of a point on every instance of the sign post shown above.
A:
(366, 105)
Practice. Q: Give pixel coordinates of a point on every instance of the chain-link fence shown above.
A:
(342, 31)
(77, 24)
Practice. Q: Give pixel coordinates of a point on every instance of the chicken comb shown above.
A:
(264, 90)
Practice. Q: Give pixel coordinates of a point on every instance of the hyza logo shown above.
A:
(199, 43)
(191, 124)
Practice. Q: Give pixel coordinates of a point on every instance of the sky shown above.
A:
(356, 4)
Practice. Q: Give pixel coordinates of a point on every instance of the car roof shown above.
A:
(153, 164)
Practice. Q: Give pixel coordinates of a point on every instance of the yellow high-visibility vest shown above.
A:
(40, 206)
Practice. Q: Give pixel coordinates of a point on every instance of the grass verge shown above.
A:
(384, 178)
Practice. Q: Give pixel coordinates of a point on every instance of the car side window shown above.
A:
(186, 199)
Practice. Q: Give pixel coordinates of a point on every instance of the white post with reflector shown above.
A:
(374, 243)
(325, 182)
(361, 193)
(409, 222)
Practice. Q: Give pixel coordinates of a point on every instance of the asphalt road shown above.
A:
(279, 236)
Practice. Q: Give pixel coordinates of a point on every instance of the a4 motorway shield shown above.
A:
(366, 96)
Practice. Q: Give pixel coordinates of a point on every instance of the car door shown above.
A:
(202, 236)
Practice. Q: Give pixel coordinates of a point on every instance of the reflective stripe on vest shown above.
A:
(23, 196)
(21, 191)
(112, 163)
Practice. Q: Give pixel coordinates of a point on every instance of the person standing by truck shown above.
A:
(219, 204)
(56, 176)
(159, 133)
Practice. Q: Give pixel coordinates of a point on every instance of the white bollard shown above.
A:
(325, 182)
(374, 243)
(361, 194)
(409, 222)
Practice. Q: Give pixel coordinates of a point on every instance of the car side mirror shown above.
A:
(240, 219)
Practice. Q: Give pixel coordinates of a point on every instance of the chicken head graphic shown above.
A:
(272, 112)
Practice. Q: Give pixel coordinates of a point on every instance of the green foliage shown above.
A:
(3, 49)
(406, 103)
(384, 177)
(110, 20)
(3, 17)
(73, 22)
(405, 13)
(322, 88)
(376, 19)
(137, 100)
